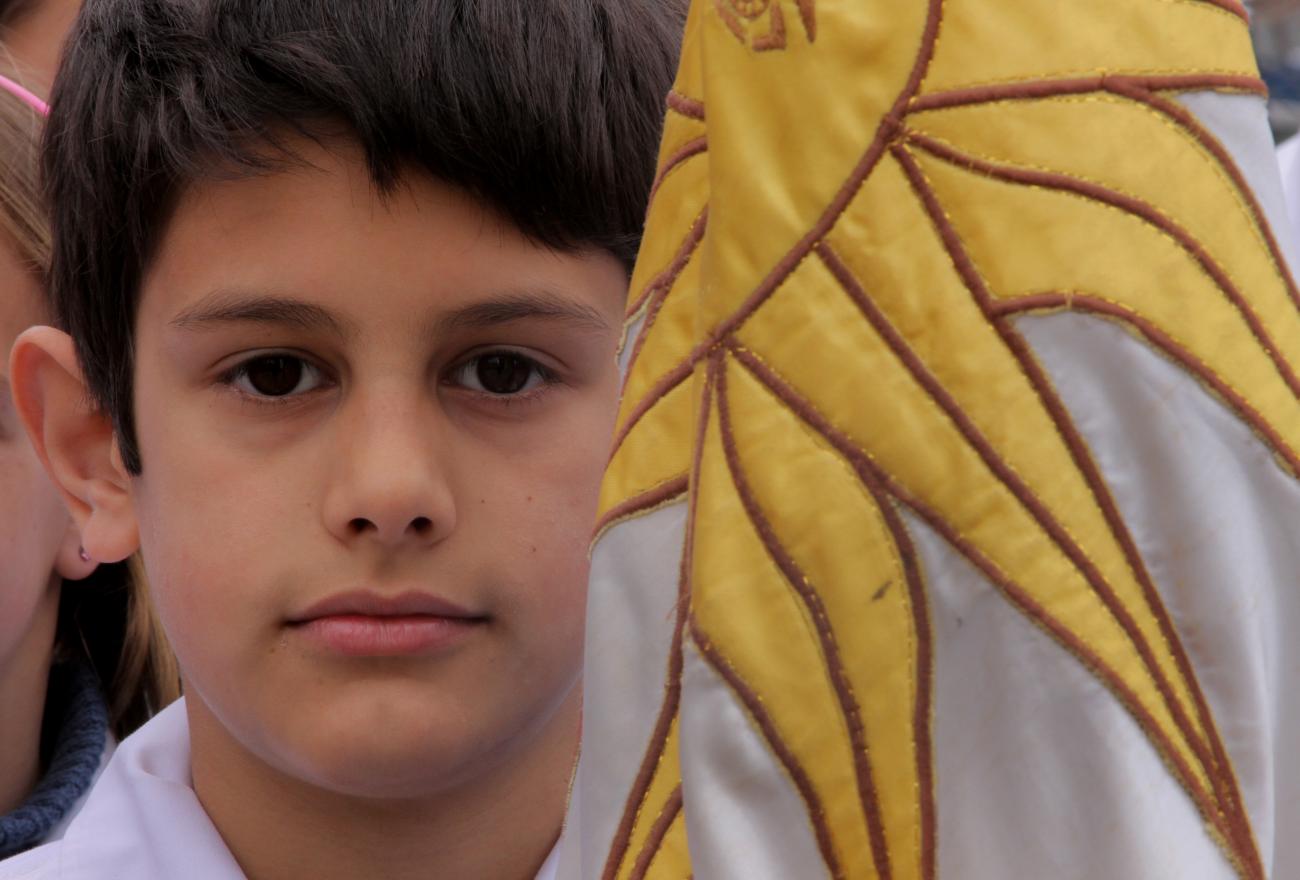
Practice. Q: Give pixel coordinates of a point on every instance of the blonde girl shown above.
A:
(82, 660)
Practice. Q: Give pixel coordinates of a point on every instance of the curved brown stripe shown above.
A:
(693, 147)
(830, 651)
(1128, 204)
(664, 280)
(673, 685)
(648, 500)
(754, 706)
(1170, 348)
(923, 707)
(1006, 474)
(661, 288)
(921, 714)
(1051, 88)
(1189, 123)
(868, 470)
(885, 132)
(684, 105)
(1220, 771)
(658, 831)
(658, 391)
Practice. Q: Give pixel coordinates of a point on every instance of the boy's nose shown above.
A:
(390, 483)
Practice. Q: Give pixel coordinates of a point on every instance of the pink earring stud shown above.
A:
(81, 551)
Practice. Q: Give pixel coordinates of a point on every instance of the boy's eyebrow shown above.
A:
(231, 306)
(518, 306)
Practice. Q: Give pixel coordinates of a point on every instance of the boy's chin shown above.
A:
(388, 756)
(394, 737)
(416, 774)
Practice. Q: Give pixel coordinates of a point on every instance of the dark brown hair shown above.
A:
(548, 110)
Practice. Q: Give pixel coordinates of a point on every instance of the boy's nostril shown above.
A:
(360, 525)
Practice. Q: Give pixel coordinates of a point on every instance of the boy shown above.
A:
(344, 281)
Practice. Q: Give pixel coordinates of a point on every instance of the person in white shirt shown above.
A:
(80, 663)
(342, 285)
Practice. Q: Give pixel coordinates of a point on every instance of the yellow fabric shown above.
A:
(777, 651)
(982, 44)
(859, 367)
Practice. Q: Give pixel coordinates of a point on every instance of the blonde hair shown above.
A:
(107, 619)
(22, 216)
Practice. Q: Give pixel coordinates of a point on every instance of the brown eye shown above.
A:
(276, 376)
(503, 372)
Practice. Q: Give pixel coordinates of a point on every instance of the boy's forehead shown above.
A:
(319, 234)
(324, 184)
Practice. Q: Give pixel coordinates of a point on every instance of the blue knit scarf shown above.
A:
(76, 726)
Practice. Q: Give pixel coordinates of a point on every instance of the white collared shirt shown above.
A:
(143, 821)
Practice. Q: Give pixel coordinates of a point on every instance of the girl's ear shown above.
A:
(75, 442)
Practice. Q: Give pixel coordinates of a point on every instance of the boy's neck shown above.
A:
(501, 825)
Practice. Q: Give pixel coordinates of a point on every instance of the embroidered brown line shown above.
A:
(826, 639)
(879, 492)
(668, 816)
(672, 691)
(1134, 88)
(735, 13)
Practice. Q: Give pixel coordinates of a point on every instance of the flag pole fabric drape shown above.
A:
(948, 528)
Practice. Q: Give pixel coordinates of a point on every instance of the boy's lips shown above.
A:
(367, 624)
(370, 604)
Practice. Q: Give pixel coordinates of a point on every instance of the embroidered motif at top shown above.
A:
(760, 24)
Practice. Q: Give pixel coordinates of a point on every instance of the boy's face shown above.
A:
(372, 432)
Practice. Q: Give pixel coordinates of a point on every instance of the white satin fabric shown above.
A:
(1040, 772)
(631, 611)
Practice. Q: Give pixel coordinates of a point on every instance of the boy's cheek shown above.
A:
(543, 538)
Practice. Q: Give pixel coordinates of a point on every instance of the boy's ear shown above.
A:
(75, 442)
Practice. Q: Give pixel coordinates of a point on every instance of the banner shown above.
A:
(950, 527)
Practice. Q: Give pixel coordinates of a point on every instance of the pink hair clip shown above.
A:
(24, 95)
